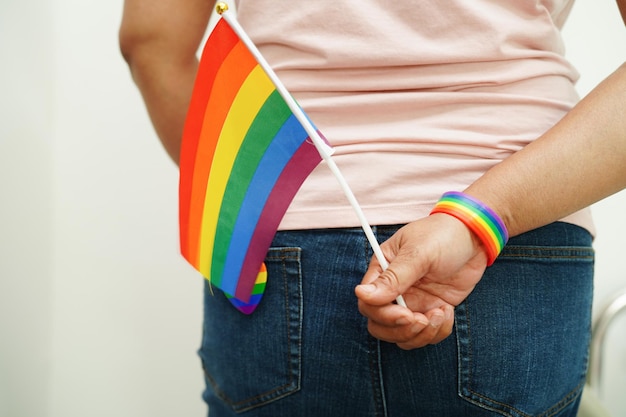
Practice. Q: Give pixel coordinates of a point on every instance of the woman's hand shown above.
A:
(434, 263)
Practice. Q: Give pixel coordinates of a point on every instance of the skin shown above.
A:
(159, 41)
(434, 262)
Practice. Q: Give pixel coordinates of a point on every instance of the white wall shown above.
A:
(126, 308)
(99, 316)
(26, 200)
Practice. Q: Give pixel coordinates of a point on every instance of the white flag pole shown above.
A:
(324, 150)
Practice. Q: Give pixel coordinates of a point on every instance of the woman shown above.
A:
(418, 98)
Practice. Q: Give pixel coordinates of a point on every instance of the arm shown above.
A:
(159, 41)
(435, 262)
(581, 160)
(621, 4)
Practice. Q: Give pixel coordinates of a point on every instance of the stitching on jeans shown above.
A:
(284, 254)
(553, 252)
(556, 408)
(488, 403)
(378, 391)
(374, 347)
(287, 254)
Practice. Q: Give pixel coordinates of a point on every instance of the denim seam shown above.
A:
(553, 252)
(376, 372)
(286, 254)
(556, 408)
(237, 406)
(375, 359)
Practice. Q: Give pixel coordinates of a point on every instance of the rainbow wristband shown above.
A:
(479, 218)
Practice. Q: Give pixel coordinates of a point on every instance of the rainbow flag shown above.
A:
(244, 156)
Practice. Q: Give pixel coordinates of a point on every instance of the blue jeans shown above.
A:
(518, 348)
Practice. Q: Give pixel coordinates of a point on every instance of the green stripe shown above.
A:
(477, 210)
(258, 288)
(262, 131)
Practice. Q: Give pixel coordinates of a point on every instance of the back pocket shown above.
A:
(253, 360)
(523, 333)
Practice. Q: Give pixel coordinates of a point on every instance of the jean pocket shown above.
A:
(523, 334)
(252, 360)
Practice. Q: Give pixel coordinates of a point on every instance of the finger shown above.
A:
(441, 322)
(389, 315)
(427, 335)
(383, 289)
(406, 267)
(392, 323)
(399, 335)
(447, 325)
(402, 331)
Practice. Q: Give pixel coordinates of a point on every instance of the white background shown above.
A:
(99, 315)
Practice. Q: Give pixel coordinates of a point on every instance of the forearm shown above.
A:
(581, 160)
(159, 41)
(166, 90)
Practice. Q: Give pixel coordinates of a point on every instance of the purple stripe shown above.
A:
(249, 307)
(296, 171)
(288, 140)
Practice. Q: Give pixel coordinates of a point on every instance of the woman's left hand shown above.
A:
(434, 263)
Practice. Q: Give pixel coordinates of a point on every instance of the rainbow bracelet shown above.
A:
(479, 218)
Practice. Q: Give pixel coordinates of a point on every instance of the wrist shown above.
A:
(486, 225)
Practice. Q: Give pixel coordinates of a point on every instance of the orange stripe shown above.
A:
(229, 79)
(469, 220)
(243, 110)
(216, 49)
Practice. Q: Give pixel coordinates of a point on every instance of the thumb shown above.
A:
(386, 286)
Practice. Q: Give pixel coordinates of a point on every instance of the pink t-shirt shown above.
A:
(417, 97)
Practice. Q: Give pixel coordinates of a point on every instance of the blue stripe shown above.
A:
(281, 150)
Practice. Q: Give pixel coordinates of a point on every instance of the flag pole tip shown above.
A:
(221, 7)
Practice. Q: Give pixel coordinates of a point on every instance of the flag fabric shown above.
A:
(244, 155)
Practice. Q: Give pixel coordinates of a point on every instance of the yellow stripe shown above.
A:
(250, 98)
(485, 227)
(479, 221)
(261, 278)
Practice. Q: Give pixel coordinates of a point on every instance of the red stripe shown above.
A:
(207, 70)
(230, 63)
